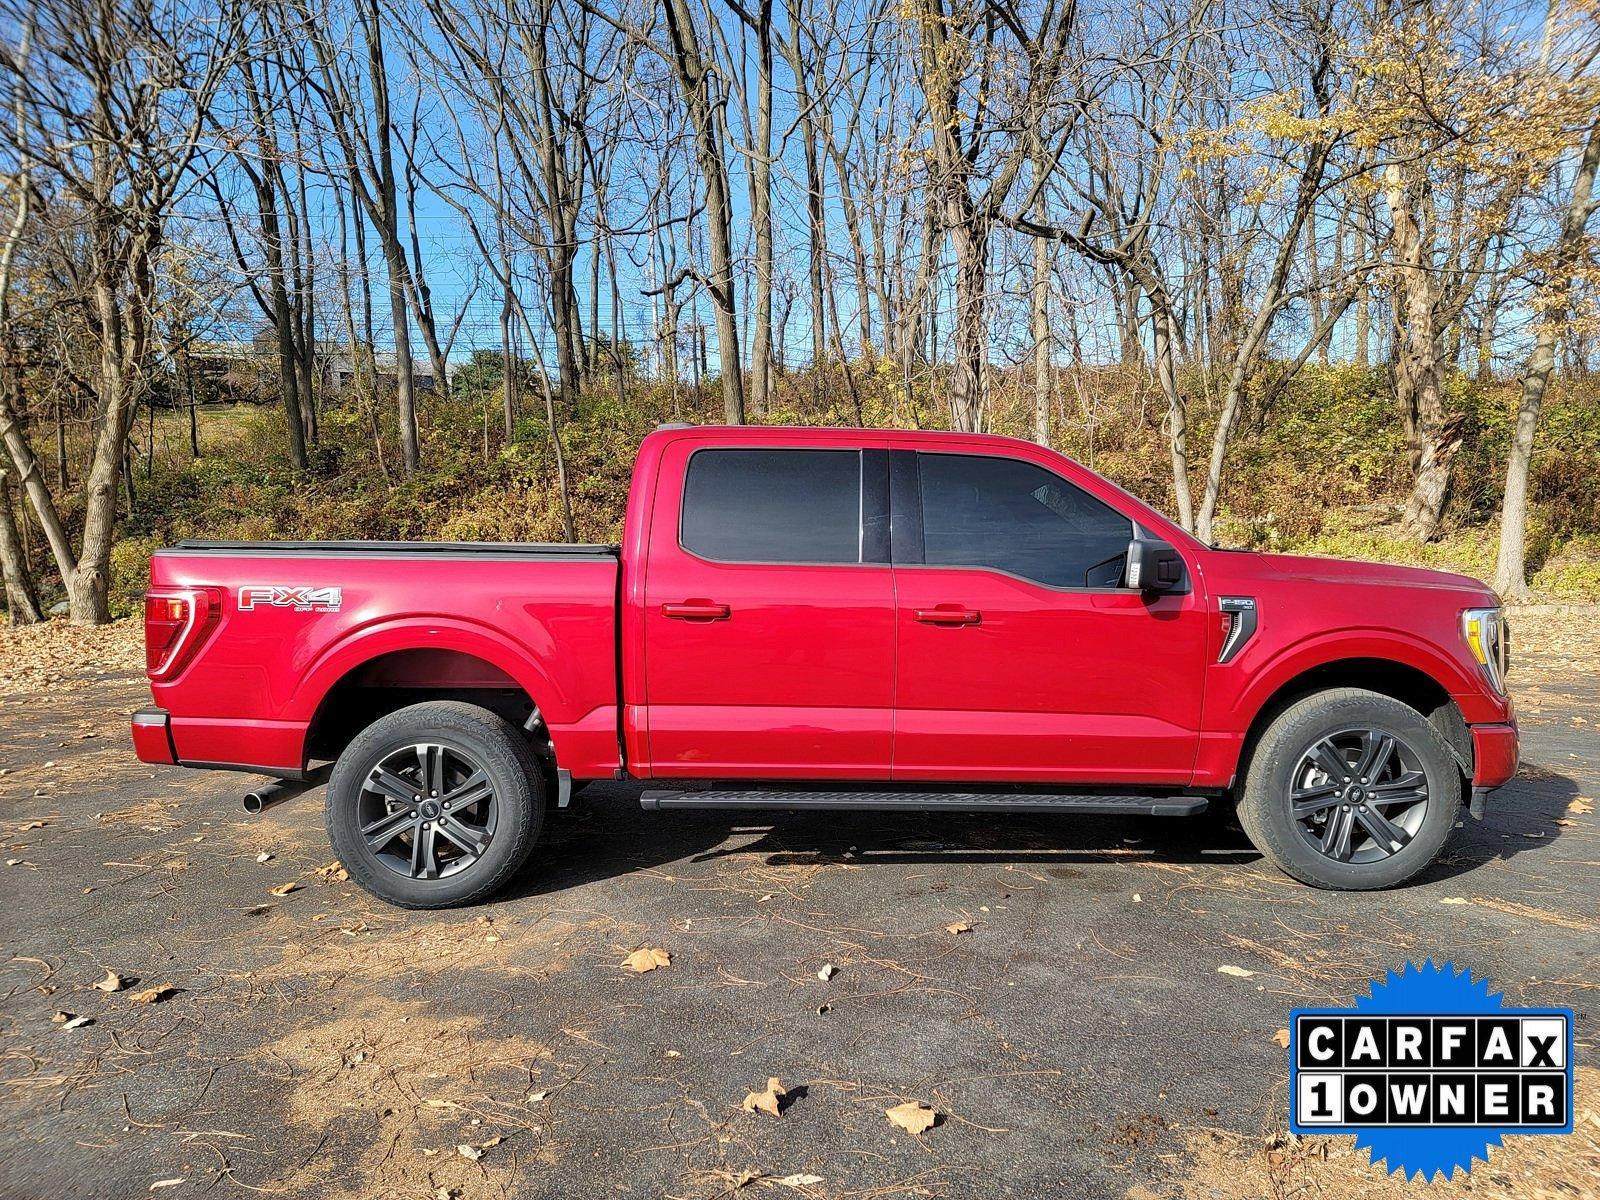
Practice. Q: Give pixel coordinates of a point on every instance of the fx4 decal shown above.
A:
(298, 598)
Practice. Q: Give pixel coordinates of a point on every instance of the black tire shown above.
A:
(1353, 724)
(476, 750)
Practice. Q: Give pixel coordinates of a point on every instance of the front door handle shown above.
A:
(696, 610)
(949, 615)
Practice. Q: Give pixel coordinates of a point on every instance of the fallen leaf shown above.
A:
(472, 1153)
(1583, 805)
(766, 1101)
(59, 1017)
(826, 972)
(283, 889)
(641, 961)
(264, 856)
(112, 982)
(537, 1097)
(77, 1023)
(914, 1117)
(957, 927)
(799, 1181)
(153, 995)
(1240, 972)
(1282, 1038)
(33, 825)
(332, 870)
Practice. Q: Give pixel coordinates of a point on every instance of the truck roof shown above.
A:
(813, 434)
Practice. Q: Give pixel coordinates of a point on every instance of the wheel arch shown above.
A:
(1402, 681)
(369, 677)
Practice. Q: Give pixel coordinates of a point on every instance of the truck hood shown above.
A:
(1346, 571)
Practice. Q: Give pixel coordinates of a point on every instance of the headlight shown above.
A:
(1487, 637)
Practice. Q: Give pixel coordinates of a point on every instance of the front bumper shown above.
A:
(1495, 755)
(152, 736)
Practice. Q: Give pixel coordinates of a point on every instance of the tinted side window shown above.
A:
(1012, 516)
(773, 506)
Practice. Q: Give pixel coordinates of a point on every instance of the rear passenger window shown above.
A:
(982, 511)
(773, 506)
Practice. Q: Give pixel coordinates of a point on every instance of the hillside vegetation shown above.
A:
(1326, 471)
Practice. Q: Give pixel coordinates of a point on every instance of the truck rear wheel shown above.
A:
(1352, 790)
(436, 805)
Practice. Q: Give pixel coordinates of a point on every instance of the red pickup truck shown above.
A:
(827, 618)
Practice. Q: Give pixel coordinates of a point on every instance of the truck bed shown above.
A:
(297, 629)
(556, 550)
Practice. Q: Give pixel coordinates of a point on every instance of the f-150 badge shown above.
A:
(298, 598)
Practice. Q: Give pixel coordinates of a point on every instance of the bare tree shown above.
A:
(1554, 300)
(109, 111)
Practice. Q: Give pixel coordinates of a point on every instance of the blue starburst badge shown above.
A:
(1430, 1070)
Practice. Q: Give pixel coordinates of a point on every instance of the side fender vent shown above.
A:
(1239, 625)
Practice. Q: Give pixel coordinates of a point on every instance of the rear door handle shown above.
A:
(696, 610)
(949, 615)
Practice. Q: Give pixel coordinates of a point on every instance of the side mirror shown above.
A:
(1154, 566)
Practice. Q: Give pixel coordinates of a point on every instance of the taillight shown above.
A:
(176, 621)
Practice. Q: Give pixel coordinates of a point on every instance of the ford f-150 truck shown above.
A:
(828, 618)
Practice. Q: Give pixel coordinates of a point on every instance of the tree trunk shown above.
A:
(1511, 568)
(1161, 322)
(22, 598)
(1041, 339)
(404, 372)
(761, 212)
(692, 74)
(967, 408)
(1419, 387)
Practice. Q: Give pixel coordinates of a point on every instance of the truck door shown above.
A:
(1022, 656)
(769, 613)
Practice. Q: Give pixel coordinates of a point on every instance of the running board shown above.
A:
(1154, 806)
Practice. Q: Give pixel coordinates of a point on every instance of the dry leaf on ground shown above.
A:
(648, 959)
(1238, 972)
(153, 995)
(1583, 805)
(283, 889)
(914, 1117)
(1282, 1038)
(111, 983)
(958, 927)
(766, 1101)
(826, 971)
(798, 1181)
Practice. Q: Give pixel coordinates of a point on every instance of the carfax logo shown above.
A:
(1430, 1070)
(301, 598)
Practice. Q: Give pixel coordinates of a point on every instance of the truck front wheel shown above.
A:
(435, 805)
(1350, 789)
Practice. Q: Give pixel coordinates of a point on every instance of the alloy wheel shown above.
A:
(427, 811)
(1359, 795)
